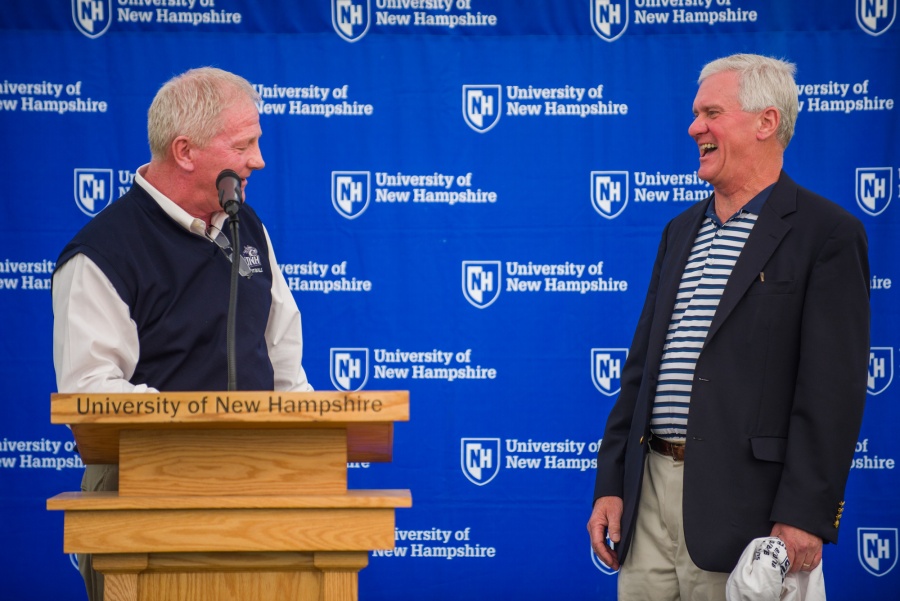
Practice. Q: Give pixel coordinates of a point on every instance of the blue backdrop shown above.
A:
(466, 197)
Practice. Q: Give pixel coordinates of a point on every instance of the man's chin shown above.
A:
(706, 173)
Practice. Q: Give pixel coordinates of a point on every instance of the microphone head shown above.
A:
(227, 173)
(228, 184)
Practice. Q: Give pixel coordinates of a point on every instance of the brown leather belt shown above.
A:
(669, 449)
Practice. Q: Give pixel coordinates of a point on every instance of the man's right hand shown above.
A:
(606, 520)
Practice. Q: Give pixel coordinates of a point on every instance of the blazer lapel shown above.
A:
(681, 239)
(768, 232)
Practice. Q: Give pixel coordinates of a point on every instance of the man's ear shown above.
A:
(769, 120)
(183, 152)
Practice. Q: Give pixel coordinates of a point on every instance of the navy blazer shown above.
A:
(779, 388)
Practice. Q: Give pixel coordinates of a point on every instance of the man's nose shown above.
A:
(696, 127)
(256, 160)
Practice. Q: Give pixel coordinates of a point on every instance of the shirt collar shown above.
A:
(754, 206)
(179, 215)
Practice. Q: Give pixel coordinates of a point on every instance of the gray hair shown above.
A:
(191, 104)
(763, 82)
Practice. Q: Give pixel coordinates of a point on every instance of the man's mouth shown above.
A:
(705, 149)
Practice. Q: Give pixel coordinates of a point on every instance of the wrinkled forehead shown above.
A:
(719, 90)
(239, 116)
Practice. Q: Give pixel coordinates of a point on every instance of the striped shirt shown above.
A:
(716, 249)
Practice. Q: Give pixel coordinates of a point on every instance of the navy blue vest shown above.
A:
(176, 285)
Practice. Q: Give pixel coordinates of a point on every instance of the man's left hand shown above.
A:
(804, 549)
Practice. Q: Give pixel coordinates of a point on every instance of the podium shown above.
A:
(231, 496)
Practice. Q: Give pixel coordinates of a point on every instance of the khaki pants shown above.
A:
(658, 567)
(96, 477)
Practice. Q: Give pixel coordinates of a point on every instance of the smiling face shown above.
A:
(726, 135)
(235, 147)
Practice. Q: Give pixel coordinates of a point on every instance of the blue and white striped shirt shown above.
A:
(716, 249)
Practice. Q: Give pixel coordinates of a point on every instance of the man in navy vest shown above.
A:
(140, 294)
(742, 395)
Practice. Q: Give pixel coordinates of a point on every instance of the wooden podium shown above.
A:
(231, 496)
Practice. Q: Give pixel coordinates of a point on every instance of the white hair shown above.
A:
(762, 82)
(191, 104)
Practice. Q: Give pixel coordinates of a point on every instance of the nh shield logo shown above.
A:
(351, 18)
(93, 190)
(875, 16)
(598, 563)
(874, 188)
(609, 192)
(482, 106)
(881, 369)
(480, 459)
(350, 192)
(481, 282)
(877, 549)
(606, 369)
(349, 368)
(92, 17)
(609, 18)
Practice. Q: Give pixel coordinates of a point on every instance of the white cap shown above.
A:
(761, 574)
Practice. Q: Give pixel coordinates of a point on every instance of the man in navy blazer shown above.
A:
(743, 392)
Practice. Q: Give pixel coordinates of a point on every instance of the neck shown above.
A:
(170, 180)
(731, 199)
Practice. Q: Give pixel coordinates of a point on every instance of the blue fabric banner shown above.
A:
(465, 197)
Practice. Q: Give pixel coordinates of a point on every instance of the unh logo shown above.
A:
(875, 16)
(598, 563)
(349, 368)
(606, 369)
(874, 187)
(93, 190)
(480, 459)
(250, 255)
(881, 369)
(609, 192)
(481, 106)
(877, 549)
(92, 17)
(609, 18)
(350, 192)
(481, 282)
(350, 18)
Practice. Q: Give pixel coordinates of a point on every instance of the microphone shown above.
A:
(229, 186)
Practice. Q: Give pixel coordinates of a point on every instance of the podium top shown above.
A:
(244, 407)
(97, 419)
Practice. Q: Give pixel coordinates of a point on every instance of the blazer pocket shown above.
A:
(771, 287)
(769, 448)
